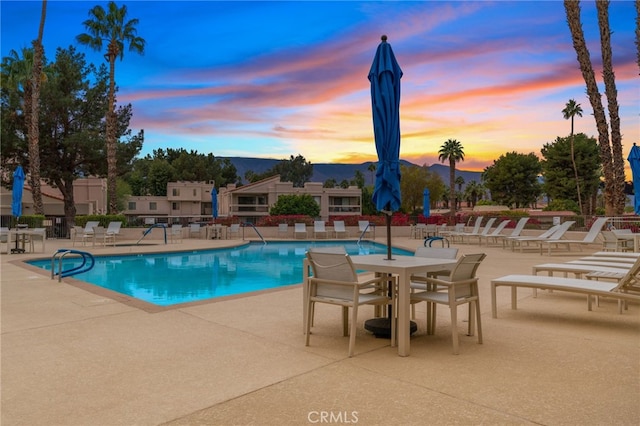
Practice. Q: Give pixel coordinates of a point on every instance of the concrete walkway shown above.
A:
(77, 357)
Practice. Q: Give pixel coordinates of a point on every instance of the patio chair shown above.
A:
(419, 231)
(234, 230)
(300, 230)
(100, 235)
(590, 238)
(38, 234)
(114, 228)
(340, 229)
(195, 229)
(319, 229)
(283, 230)
(5, 238)
(626, 289)
(78, 233)
(336, 282)
(418, 281)
(364, 228)
(461, 288)
(175, 233)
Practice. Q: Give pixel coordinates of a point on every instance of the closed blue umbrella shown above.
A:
(634, 162)
(214, 204)
(385, 77)
(426, 203)
(16, 198)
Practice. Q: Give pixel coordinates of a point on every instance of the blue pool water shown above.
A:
(166, 279)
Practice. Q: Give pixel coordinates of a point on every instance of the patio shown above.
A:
(74, 357)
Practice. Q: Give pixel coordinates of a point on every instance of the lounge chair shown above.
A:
(340, 229)
(611, 242)
(476, 229)
(624, 290)
(100, 235)
(514, 233)
(590, 238)
(462, 288)
(484, 232)
(336, 282)
(283, 230)
(495, 233)
(552, 234)
(195, 230)
(319, 229)
(300, 230)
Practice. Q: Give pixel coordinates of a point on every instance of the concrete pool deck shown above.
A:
(77, 357)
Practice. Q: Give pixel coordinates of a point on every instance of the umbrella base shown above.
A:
(381, 327)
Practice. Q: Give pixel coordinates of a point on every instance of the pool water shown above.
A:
(166, 279)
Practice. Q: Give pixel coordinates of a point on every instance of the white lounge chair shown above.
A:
(514, 233)
(195, 230)
(300, 230)
(611, 242)
(625, 290)
(38, 234)
(319, 229)
(114, 228)
(336, 282)
(484, 232)
(590, 238)
(476, 229)
(339, 229)
(552, 234)
(364, 228)
(495, 233)
(100, 235)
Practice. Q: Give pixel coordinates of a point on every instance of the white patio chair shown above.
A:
(319, 229)
(462, 288)
(590, 238)
(336, 282)
(114, 229)
(38, 234)
(195, 229)
(100, 235)
(283, 230)
(365, 228)
(418, 281)
(175, 233)
(300, 230)
(234, 230)
(340, 229)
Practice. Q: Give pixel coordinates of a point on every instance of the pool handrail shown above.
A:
(245, 224)
(148, 230)
(61, 253)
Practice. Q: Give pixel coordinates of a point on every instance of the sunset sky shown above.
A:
(274, 79)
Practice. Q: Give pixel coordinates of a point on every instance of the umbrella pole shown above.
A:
(389, 237)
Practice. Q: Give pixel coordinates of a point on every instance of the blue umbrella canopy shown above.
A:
(634, 162)
(385, 77)
(16, 198)
(426, 203)
(214, 203)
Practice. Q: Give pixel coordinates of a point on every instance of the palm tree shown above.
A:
(569, 112)
(453, 151)
(112, 28)
(372, 168)
(34, 130)
(612, 102)
(612, 191)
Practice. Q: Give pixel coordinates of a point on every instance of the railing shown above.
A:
(60, 255)
(245, 224)
(148, 231)
(364, 232)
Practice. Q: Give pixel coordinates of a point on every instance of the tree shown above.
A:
(111, 28)
(296, 170)
(34, 135)
(358, 179)
(473, 192)
(453, 151)
(372, 168)
(294, 204)
(512, 179)
(329, 183)
(412, 184)
(613, 192)
(569, 112)
(559, 179)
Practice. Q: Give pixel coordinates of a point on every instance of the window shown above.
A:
(195, 192)
(132, 205)
(176, 192)
(153, 205)
(175, 206)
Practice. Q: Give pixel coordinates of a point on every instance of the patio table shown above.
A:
(404, 267)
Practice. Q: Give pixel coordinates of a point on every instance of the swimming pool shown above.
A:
(166, 279)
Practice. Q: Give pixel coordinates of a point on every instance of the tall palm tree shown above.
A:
(612, 103)
(453, 151)
(611, 191)
(111, 27)
(569, 112)
(34, 130)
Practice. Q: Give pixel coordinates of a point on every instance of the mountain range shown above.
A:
(341, 171)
